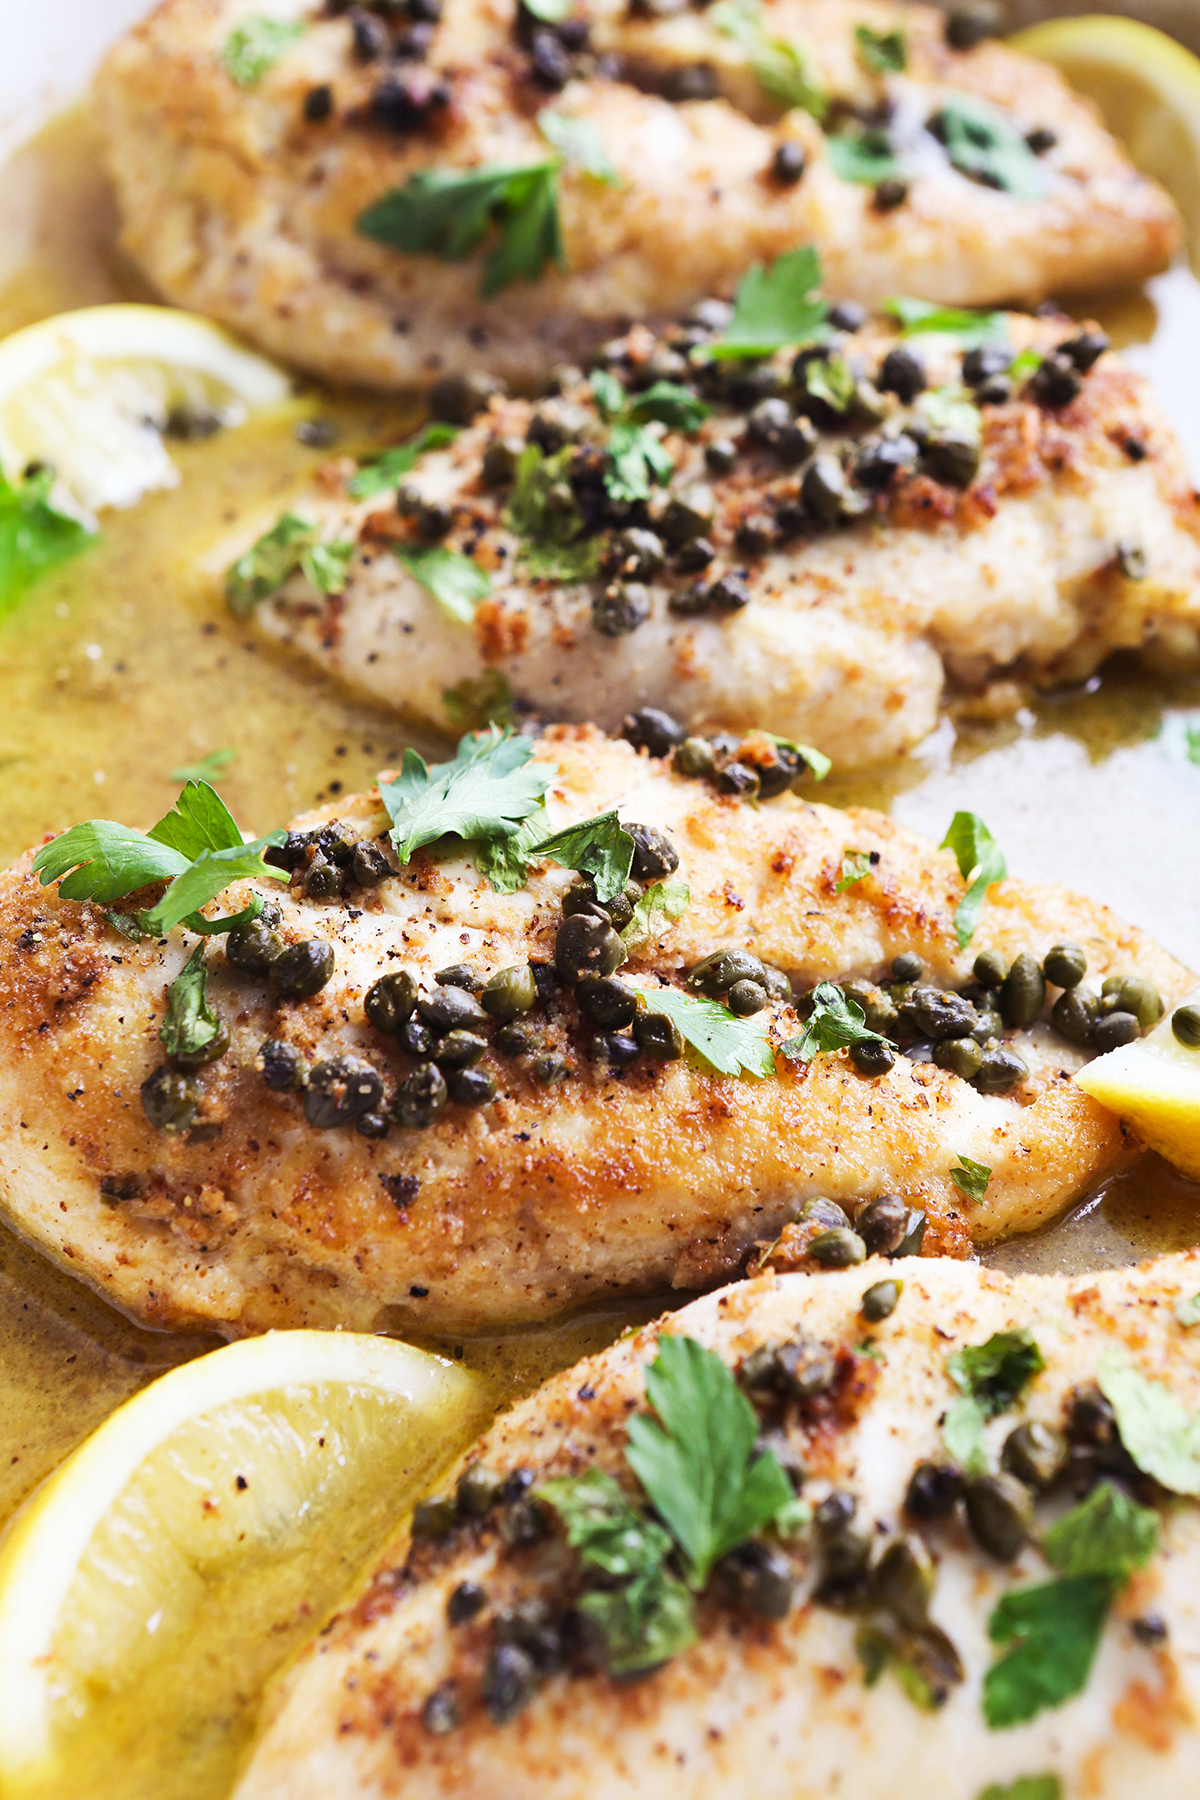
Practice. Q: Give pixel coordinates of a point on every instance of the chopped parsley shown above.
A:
(775, 307)
(190, 1025)
(483, 795)
(449, 212)
(545, 514)
(34, 535)
(969, 327)
(456, 582)
(1162, 1437)
(729, 1045)
(856, 866)
(882, 52)
(833, 1023)
(579, 144)
(1025, 1787)
(636, 456)
(780, 66)
(1106, 1534)
(668, 404)
(380, 473)
(990, 1378)
(479, 700)
(867, 157)
(1055, 1631)
(952, 412)
(256, 45)
(291, 544)
(662, 905)
(984, 144)
(636, 461)
(210, 768)
(600, 847)
(980, 863)
(971, 1178)
(831, 379)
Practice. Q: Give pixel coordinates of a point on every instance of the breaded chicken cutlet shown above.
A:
(357, 190)
(411, 1093)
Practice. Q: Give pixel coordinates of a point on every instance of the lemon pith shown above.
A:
(1154, 1085)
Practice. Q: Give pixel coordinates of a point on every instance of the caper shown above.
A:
(880, 1301)
(477, 1490)
(745, 998)
(517, 1039)
(303, 969)
(845, 1560)
(283, 1067)
(902, 1580)
(339, 1090)
(586, 945)
(417, 1038)
(962, 1056)
(990, 1025)
(789, 162)
(457, 398)
(531, 1624)
(823, 1214)
(933, 1490)
(509, 1682)
(838, 1249)
(290, 854)
(580, 897)
(420, 1098)
(169, 1099)
(1035, 1453)
(999, 1070)
(740, 779)
(459, 1049)
(823, 488)
(434, 1519)
(460, 975)
(728, 593)
(758, 1578)
(451, 1009)
(990, 969)
(914, 1233)
(620, 907)
(509, 992)
(1116, 1029)
(688, 515)
(940, 1013)
(717, 972)
(466, 1602)
(1185, 1026)
(872, 1056)
(980, 364)
(879, 1012)
(616, 1047)
(907, 966)
(1141, 999)
(1000, 1514)
(522, 1524)
(781, 773)
(652, 730)
(967, 26)
(658, 1037)
(654, 855)
(606, 1001)
(776, 982)
(694, 758)
(390, 1001)
(1023, 993)
(620, 608)
(1056, 381)
(803, 1368)
(336, 842)
(832, 1515)
(1065, 965)
(550, 1068)
(636, 554)
(500, 461)
(369, 866)
(1074, 1015)
(253, 947)
(371, 1125)
(721, 455)
(471, 1087)
(882, 1223)
(952, 458)
(322, 879)
(440, 1713)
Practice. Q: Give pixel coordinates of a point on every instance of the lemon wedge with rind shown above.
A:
(1147, 88)
(1153, 1084)
(91, 393)
(175, 1560)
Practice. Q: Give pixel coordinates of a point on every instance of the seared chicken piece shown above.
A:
(574, 1159)
(394, 1697)
(243, 201)
(823, 574)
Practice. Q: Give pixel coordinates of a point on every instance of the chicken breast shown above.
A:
(574, 1159)
(813, 571)
(390, 1698)
(244, 166)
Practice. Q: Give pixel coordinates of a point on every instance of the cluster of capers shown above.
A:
(325, 862)
(400, 34)
(1125, 1008)
(741, 766)
(885, 1226)
(741, 980)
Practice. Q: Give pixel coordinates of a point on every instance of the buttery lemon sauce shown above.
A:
(125, 665)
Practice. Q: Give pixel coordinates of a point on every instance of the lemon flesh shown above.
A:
(188, 1547)
(1147, 88)
(1154, 1085)
(91, 392)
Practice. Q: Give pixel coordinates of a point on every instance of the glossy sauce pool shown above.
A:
(125, 664)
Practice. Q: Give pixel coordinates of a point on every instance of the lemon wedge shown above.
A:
(1154, 1085)
(1147, 88)
(91, 393)
(184, 1551)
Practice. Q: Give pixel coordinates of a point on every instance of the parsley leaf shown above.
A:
(962, 1433)
(697, 1461)
(730, 1045)
(479, 700)
(980, 863)
(208, 876)
(382, 472)
(1187, 1310)
(660, 907)
(448, 212)
(984, 144)
(672, 405)
(774, 307)
(210, 768)
(780, 66)
(256, 45)
(951, 412)
(971, 1178)
(34, 535)
(883, 52)
(819, 764)
(543, 511)
(642, 1624)
(1158, 1432)
(856, 866)
(636, 457)
(996, 1373)
(866, 157)
(1025, 1787)
(485, 792)
(604, 1525)
(292, 543)
(104, 861)
(969, 327)
(833, 1023)
(829, 378)
(599, 847)
(456, 582)
(190, 1024)
(1106, 1534)
(1055, 1630)
(636, 460)
(579, 144)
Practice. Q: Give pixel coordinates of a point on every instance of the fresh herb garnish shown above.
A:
(382, 472)
(449, 212)
(1055, 1630)
(730, 1045)
(543, 512)
(636, 461)
(774, 307)
(1025, 1787)
(190, 1025)
(579, 144)
(830, 379)
(867, 157)
(256, 45)
(662, 905)
(292, 543)
(1158, 1432)
(697, 1460)
(971, 1178)
(1191, 738)
(479, 700)
(599, 847)
(856, 866)
(1106, 1534)
(1187, 1310)
(833, 1023)
(780, 66)
(952, 412)
(196, 846)
(984, 144)
(990, 1378)
(969, 327)
(818, 763)
(210, 768)
(883, 52)
(483, 795)
(34, 535)
(636, 457)
(456, 582)
(669, 404)
(980, 863)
